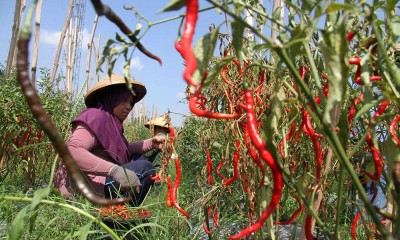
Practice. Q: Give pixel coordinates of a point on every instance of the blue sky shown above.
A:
(165, 84)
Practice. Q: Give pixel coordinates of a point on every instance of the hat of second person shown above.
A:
(114, 80)
(160, 121)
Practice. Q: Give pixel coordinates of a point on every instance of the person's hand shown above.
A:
(158, 142)
(126, 178)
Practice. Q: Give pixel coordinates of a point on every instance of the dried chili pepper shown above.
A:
(236, 156)
(184, 45)
(193, 106)
(209, 168)
(260, 145)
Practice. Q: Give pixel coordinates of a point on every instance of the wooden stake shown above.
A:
(60, 43)
(36, 41)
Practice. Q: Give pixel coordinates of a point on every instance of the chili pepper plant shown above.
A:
(311, 114)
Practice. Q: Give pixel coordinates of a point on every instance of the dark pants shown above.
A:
(143, 169)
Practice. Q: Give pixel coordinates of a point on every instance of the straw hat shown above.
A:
(93, 94)
(159, 121)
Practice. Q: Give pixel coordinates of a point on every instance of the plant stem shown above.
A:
(67, 206)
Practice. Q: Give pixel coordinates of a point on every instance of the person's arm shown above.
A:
(80, 144)
(140, 147)
(156, 142)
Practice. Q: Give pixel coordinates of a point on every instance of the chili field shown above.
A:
(292, 135)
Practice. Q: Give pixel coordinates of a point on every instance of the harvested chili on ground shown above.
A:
(121, 211)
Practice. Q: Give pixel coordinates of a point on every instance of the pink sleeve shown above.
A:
(80, 144)
(140, 147)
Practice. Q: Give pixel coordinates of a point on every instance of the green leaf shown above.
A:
(216, 71)
(120, 38)
(237, 37)
(334, 7)
(277, 107)
(32, 220)
(395, 26)
(173, 5)
(204, 49)
(334, 52)
(18, 224)
(38, 196)
(84, 231)
(276, 14)
(137, 29)
(365, 108)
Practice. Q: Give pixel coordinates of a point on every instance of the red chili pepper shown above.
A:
(155, 178)
(206, 219)
(194, 100)
(294, 215)
(317, 149)
(224, 70)
(382, 107)
(184, 46)
(355, 60)
(307, 228)
(354, 226)
(235, 176)
(350, 36)
(378, 161)
(392, 130)
(175, 188)
(216, 217)
(209, 168)
(269, 160)
(168, 200)
(245, 182)
(288, 136)
(206, 229)
(219, 169)
(258, 162)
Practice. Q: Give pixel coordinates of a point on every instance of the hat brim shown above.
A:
(115, 80)
(159, 122)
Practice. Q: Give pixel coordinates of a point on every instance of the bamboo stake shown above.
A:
(14, 38)
(97, 56)
(89, 56)
(36, 41)
(60, 43)
(73, 51)
(68, 65)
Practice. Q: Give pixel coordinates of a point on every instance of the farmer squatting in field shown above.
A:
(98, 144)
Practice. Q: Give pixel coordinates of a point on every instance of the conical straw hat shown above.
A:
(160, 121)
(93, 94)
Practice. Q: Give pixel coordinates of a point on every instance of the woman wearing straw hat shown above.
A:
(98, 144)
(159, 127)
